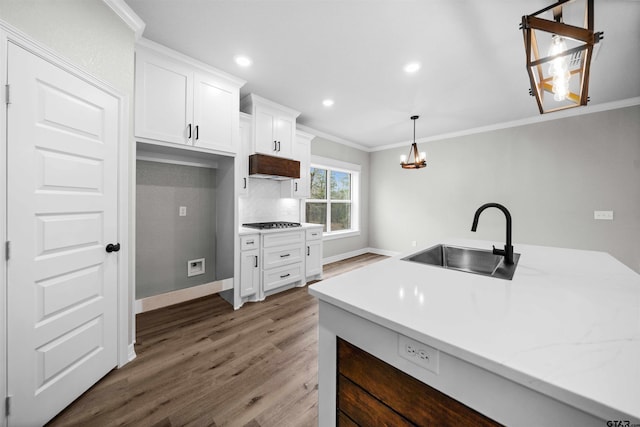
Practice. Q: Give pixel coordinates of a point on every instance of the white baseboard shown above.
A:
(132, 352)
(182, 295)
(357, 252)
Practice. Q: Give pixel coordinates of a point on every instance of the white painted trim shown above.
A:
(132, 352)
(384, 252)
(358, 252)
(128, 16)
(253, 99)
(174, 54)
(181, 295)
(572, 112)
(333, 138)
(3, 230)
(334, 164)
(344, 255)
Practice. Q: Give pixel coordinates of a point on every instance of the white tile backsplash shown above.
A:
(263, 203)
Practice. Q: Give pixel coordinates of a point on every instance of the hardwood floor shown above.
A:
(200, 363)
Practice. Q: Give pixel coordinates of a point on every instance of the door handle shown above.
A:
(296, 184)
(275, 145)
(189, 127)
(256, 265)
(245, 183)
(113, 248)
(278, 146)
(197, 132)
(308, 249)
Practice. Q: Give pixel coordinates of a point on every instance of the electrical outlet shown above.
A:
(414, 243)
(608, 215)
(182, 211)
(421, 354)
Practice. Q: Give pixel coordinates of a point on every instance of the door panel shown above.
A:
(61, 213)
(213, 114)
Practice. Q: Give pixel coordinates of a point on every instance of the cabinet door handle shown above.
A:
(197, 132)
(189, 127)
(278, 146)
(285, 255)
(245, 183)
(285, 275)
(275, 145)
(296, 185)
(308, 250)
(256, 265)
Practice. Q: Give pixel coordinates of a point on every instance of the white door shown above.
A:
(213, 114)
(314, 258)
(285, 131)
(61, 213)
(264, 132)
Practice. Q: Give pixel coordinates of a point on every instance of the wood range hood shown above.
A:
(264, 166)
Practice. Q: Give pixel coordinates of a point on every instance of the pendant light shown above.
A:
(560, 80)
(419, 159)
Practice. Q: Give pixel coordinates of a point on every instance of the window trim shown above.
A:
(339, 166)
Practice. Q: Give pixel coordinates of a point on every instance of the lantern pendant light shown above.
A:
(419, 159)
(560, 80)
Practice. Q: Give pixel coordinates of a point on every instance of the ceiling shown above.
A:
(473, 70)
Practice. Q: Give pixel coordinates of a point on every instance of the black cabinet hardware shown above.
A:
(197, 132)
(112, 248)
(285, 275)
(245, 183)
(189, 127)
(256, 265)
(285, 255)
(308, 250)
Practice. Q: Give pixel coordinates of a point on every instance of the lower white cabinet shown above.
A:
(283, 260)
(313, 261)
(249, 265)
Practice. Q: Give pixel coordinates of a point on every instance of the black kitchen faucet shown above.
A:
(507, 252)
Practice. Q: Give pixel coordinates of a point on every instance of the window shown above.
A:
(333, 199)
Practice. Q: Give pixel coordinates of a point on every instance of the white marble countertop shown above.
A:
(303, 226)
(567, 325)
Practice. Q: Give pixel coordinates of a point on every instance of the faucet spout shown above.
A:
(507, 252)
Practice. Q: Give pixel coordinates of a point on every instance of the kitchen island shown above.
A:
(557, 345)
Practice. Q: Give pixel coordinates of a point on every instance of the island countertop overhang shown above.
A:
(567, 325)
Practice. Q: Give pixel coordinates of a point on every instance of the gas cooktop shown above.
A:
(271, 225)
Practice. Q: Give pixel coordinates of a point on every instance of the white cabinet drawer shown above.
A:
(282, 238)
(281, 255)
(272, 279)
(314, 233)
(250, 241)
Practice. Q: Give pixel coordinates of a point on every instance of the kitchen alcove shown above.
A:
(184, 224)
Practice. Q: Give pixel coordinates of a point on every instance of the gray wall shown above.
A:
(551, 176)
(165, 240)
(332, 150)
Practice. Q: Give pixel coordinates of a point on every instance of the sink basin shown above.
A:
(469, 260)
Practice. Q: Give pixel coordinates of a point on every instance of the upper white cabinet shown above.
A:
(181, 101)
(299, 188)
(274, 126)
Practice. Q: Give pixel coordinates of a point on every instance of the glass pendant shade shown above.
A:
(419, 158)
(559, 42)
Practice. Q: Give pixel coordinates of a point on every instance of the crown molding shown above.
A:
(573, 112)
(128, 16)
(333, 138)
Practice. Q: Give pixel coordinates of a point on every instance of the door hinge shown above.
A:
(7, 91)
(7, 405)
(7, 250)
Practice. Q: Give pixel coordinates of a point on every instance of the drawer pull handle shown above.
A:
(285, 255)
(285, 275)
(314, 234)
(249, 242)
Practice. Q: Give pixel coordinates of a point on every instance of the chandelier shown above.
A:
(419, 159)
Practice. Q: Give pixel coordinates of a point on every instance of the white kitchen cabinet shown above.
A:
(274, 126)
(181, 101)
(283, 261)
(313, 261)
(249, 265)
(242, 160)
(299, 188)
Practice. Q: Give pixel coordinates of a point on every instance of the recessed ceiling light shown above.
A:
(412, 67)
(327, 102)
(243, 61)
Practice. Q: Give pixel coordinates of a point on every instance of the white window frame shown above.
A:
(339, 166)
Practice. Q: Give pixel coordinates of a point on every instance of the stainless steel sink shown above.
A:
(469, 260)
